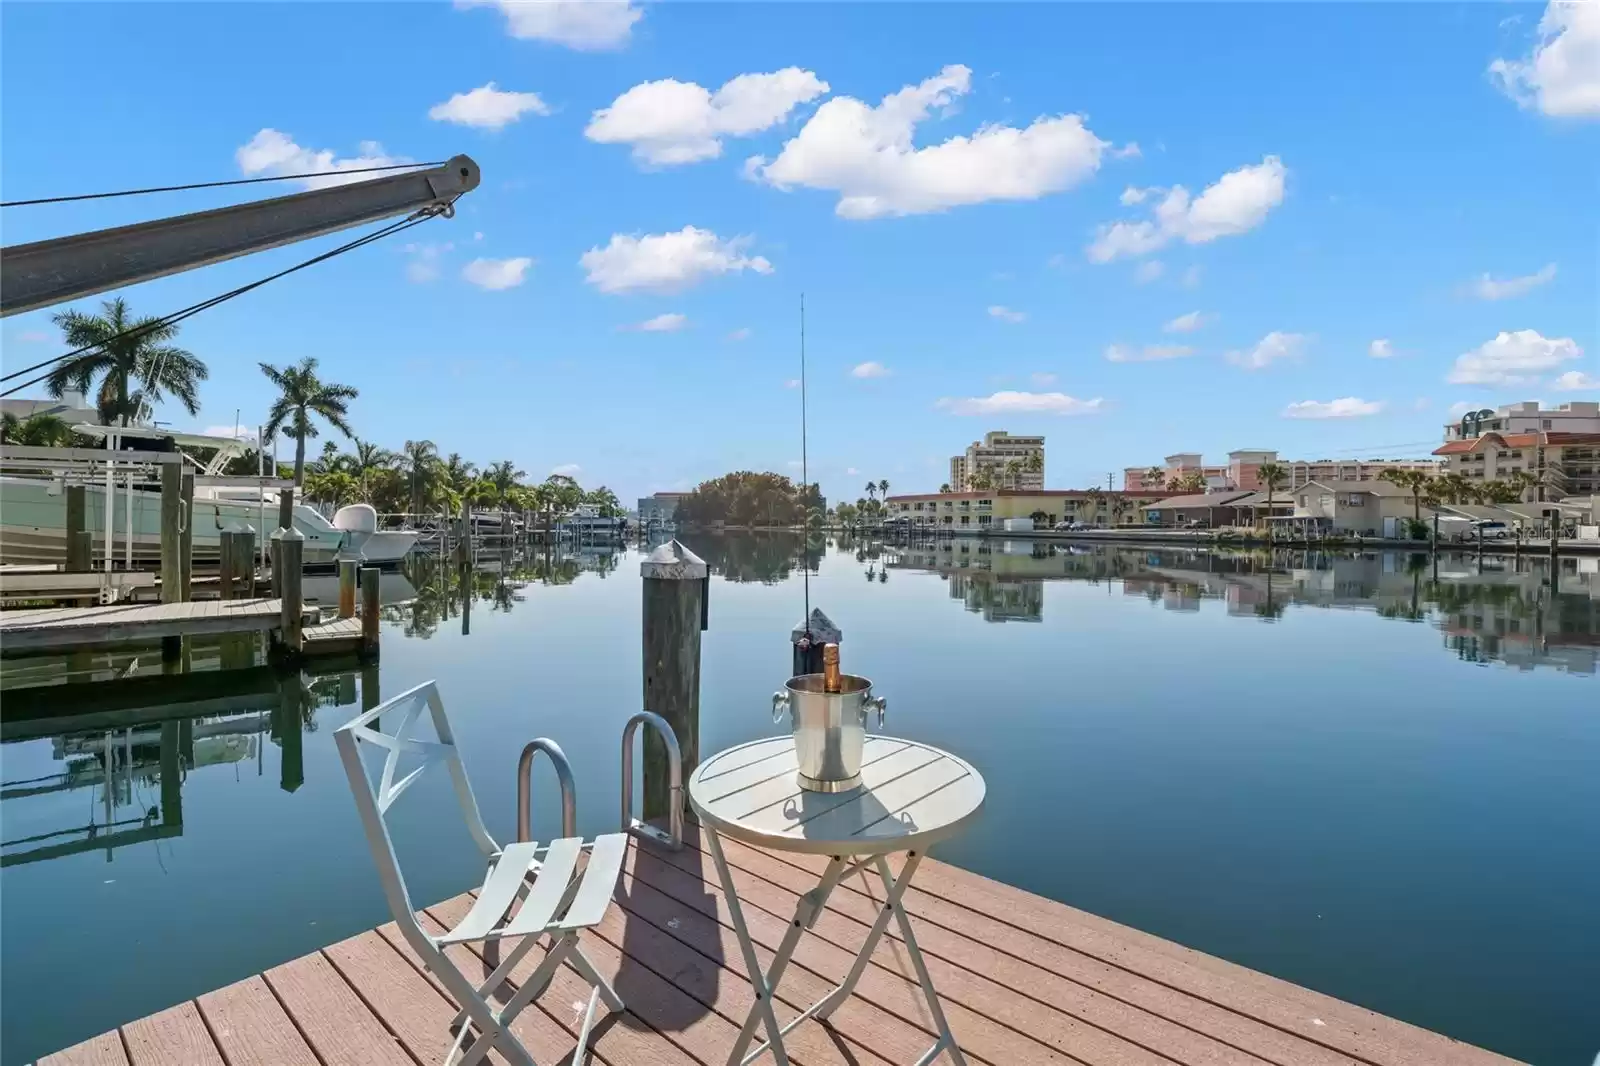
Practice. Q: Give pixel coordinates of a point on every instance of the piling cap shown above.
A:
(823, 631)
(673, 562)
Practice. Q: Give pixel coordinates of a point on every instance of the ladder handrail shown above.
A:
(672, 839)
(569, 795)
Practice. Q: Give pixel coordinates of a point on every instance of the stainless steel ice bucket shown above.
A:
(829, 728)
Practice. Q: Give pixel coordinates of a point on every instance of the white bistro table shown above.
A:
(911, 796)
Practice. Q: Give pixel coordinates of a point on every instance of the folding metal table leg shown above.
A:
(761, 1010)
(831, 1001)
(946, 1041)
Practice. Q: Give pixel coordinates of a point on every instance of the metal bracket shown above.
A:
(569, 792)
(672, 840)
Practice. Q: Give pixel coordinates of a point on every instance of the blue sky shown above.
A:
(1311, 179)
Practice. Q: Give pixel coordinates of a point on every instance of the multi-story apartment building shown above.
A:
(1243, 470)
(980, 509)
(1558, 446)
(991, 455)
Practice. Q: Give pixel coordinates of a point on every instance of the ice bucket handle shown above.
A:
(780, 704)
(873, 702)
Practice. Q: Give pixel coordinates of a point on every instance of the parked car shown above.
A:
(1495, 530)
(1068, 526)
(1196, 523)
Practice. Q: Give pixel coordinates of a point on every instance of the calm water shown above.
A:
(1361, 774)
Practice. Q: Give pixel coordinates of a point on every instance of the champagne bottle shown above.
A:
(831, 678)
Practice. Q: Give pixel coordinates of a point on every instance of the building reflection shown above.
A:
(1520, 611)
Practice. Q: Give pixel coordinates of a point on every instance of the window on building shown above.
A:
(1544, 424)
(1354, 499)
(985, 519)
(966, 520)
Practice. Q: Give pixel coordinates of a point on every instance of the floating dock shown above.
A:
(56, 628)
(1024, 981)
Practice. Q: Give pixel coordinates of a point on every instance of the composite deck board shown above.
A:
(251, 1027)
(1023, 980)
(131, 622)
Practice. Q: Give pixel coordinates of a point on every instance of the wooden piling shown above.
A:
(292, 545)
(171, 549)
(808, 638)
(186, 538)
(347, 587)
(674, 598)
(371, 579)
(286, 508)
(244, 563)
(80, 541)
(228, 562)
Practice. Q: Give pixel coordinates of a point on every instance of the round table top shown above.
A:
(911, 795)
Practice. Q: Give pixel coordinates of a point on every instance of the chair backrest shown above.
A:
(373, 801)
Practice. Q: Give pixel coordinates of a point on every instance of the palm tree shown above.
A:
(872, 490)
(366, 459)
(1415, 480)
(504, 476)
(1092, 501)
(124, 351)
(301, 395)
(1119, 507)
(1013, 470)
(419, 461)
(40, 431)
(1155, 475)
(1272, 476)
(883, 488)
(1034, 463)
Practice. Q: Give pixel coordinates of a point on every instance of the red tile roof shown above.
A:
(1518, 440)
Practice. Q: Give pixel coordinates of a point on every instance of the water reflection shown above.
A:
(1523, 612)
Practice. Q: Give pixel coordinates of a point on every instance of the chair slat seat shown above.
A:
(548, 892)
(599, 883)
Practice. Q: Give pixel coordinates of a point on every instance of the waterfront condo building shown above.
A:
(980, 509)
(1559, 446)
(990, 457)
(1243, 470)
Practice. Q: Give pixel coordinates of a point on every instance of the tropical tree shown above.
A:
(1034, 463)
(1272, 476)
(846, 514)
(1091, 503)
(1417, 481)
(333, 487)
(458, 474)
(39, 431)
(302, 394)
(504, 476)
(123, 351)
(366, 459)
(1522, 481)
(419, 462)
(1013, 470)
(883, 488)
(945, 487)
(872, 490)
(604, 500)
(1119, 507)
(1156, 475)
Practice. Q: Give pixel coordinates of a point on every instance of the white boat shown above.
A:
(33, 505)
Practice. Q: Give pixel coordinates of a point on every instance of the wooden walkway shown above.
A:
(67, 627)
(1024, 981)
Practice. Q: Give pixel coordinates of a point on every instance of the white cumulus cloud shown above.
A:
(667, 262)
(869, 157)
(271, 153)
(497, 274)
(1382, 348)
(1235, 203)
(1150, 353)
(488, 107)
(1190, 322)
(1575, 381)
(1487, 288)
(1269, 349)
(870, 369)
(1561, 74)
(567, 469)
(582, 25)
(671, 322)
(1008, 403)
(1344, 407)
(1513, 358)
(1006, 314)
(669, 122)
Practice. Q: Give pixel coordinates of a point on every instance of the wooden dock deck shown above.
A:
(51, 628)
(1024, 980)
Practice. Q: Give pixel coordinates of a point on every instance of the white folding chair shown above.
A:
(558, 895)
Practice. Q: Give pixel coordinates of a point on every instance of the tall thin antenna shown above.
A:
(805, 475)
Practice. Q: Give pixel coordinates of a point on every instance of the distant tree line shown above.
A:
(747, 498)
